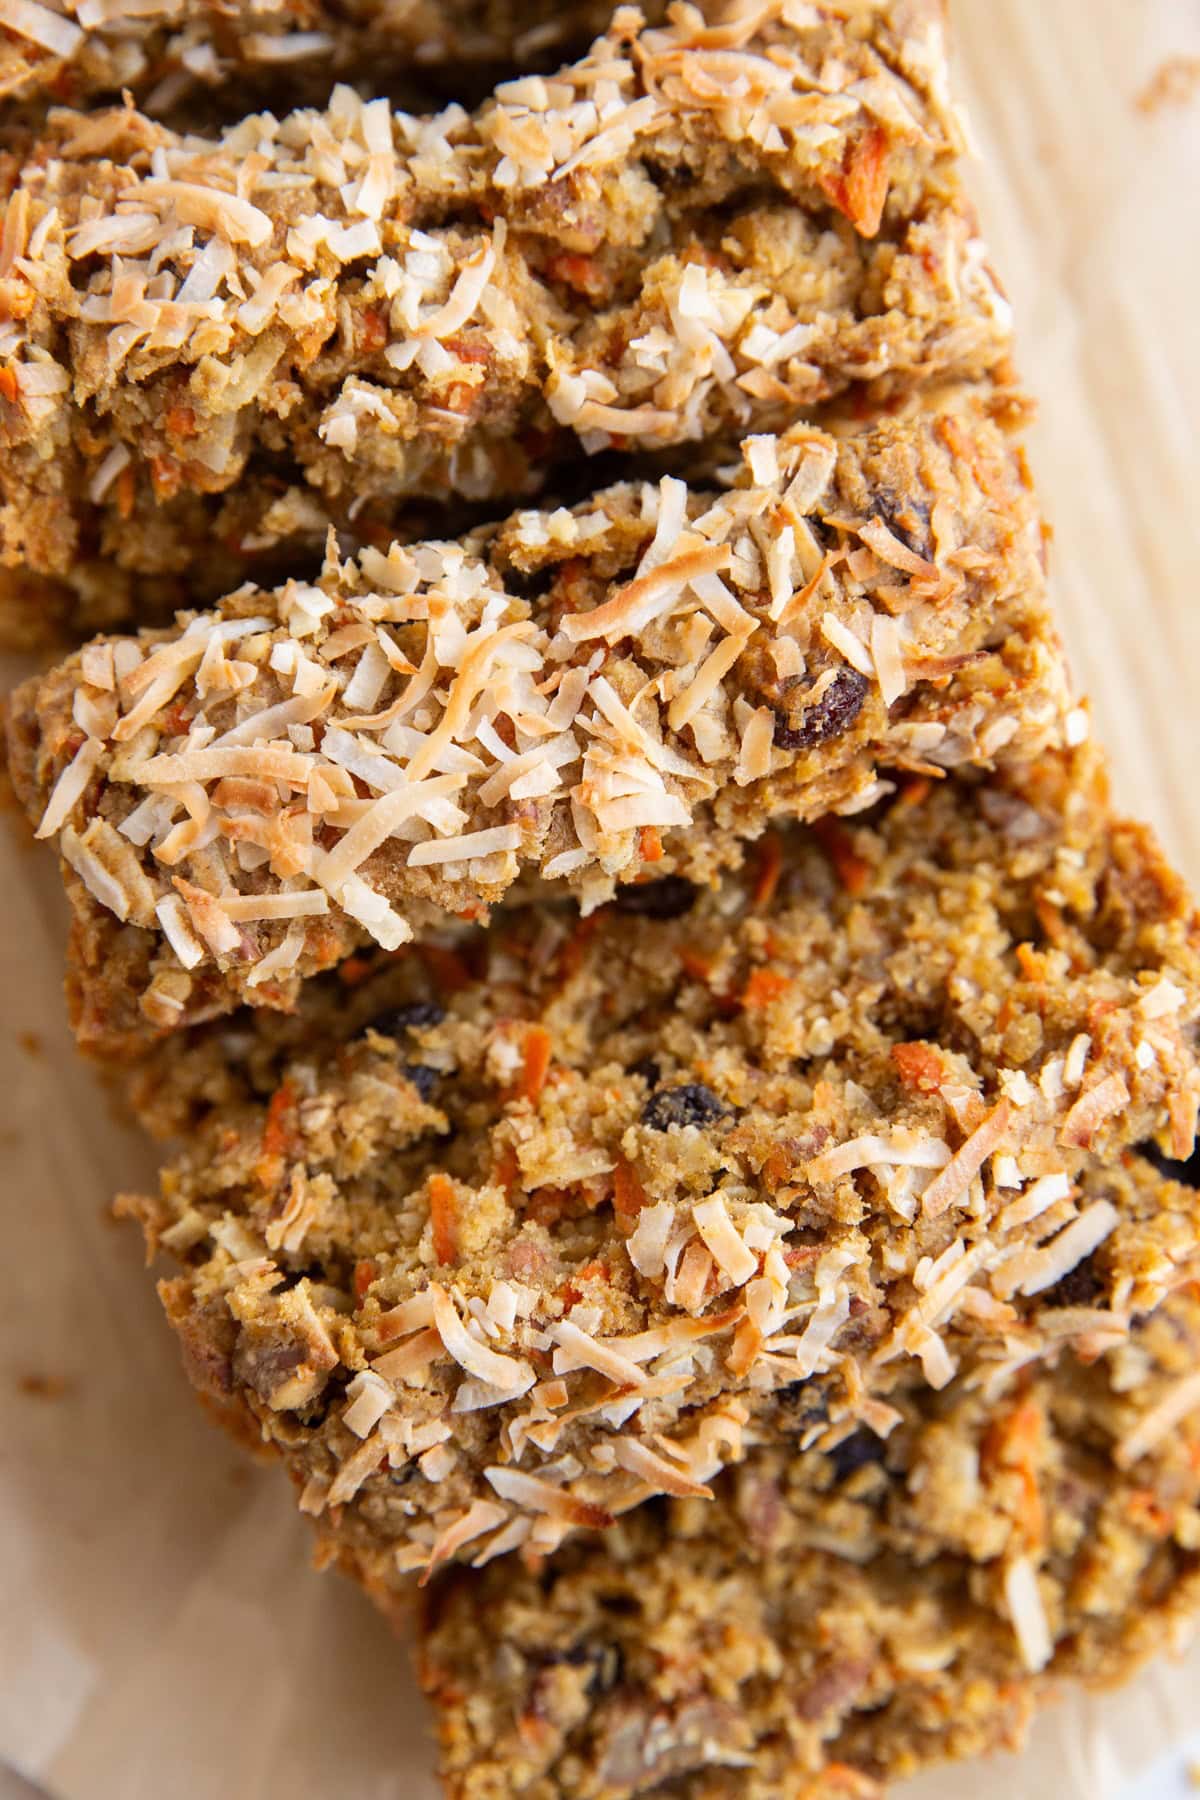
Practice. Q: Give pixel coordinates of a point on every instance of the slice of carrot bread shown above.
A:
(696, 231)
(589, 697)
(498, 1239)
(830, 1622)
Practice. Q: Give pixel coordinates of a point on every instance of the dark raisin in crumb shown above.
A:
(1186, 1172)
(423, 1078)
(667, 898)
(1080, 1286)
(692, 1104)
(858, 1451)
(833, 714)
(906, 518)
(802, 1404)
(603, 1660)
(398, 1019)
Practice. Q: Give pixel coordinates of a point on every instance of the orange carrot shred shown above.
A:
(699, 967)
(853, 873)
(536, 1064)
(650, 844)
(764, 986)
(443, 1216)
(276, 1132)
(629, 1196)
(770, 867)
(919, 1067)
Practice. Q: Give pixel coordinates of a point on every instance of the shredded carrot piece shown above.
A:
(770, 867)
(1033, 963)
(915, 791)
(764, 986)
(1148, 1513)
(277, 1134)
(505, 1172)
(960, 444)
(919, 1067)
(853, 873)
(1049, 918)
(571, 955)
(373, 329)
(181, 421)
(1012, 1444)
(699, 967)
(583, 273)
(629, 1196)
(650, 844)
(125, 492)
(364, 1275)
(354, 970)
(9, 387)
(443, 1216)
(536, 1064)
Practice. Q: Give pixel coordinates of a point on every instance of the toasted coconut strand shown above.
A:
(580, 1351)
(42, 26)
(661, 1476)
(1092, 1109)
(1027, 1613)
(504, 1373)
(480, 1517)
(1176, 1405)
(539, 1496)
(69, 788)
(963, 1167)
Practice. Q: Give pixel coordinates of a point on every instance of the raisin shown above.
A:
(906, 518)
(1186, 1172)
(802, 1404)
(858, 1451)
(833, 714)
(692, 1104)
(1080, 1286)
(398, 1019)
(604, 1661)
(423, 1078)
(667, 898)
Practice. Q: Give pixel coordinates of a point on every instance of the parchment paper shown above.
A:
(161, 1637)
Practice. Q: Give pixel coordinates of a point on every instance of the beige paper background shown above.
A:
(160, 1635)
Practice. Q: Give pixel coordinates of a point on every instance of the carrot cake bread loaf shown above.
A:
(495, 1241)
(831, 1621)
(694, 232)
(592, 696)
